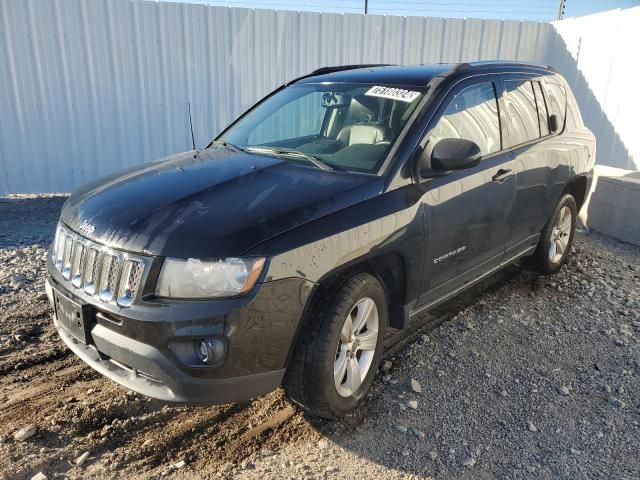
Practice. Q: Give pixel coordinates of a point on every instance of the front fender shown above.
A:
(389, 222)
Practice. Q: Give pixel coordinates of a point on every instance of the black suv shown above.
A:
(345, 202)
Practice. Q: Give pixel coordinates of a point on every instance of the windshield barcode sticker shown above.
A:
(393, 93)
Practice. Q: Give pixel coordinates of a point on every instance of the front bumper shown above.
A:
(133, 346)
(168, 383)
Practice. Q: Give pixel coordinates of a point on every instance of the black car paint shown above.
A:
(313, 224)
(217, 204)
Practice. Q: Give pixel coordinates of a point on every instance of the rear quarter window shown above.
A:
(557, 102)
(543, 114)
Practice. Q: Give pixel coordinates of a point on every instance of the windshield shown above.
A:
(337, 126)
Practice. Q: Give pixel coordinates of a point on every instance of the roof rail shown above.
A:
(340, 68)
(508, 63)
(337, 68)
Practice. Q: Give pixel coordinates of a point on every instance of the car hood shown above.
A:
(214, 205)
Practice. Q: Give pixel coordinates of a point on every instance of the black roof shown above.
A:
(415, 75)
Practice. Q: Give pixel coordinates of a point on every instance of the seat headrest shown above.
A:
(361, 134)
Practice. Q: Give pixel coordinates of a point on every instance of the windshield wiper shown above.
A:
(294, 153)
(228, 145)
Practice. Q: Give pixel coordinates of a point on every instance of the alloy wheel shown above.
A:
(356, 348)
(560, 235)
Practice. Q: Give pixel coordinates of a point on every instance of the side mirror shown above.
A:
(450, 154)
(553, 123)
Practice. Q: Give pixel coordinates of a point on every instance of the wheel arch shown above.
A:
(390, 270)
(577, 187)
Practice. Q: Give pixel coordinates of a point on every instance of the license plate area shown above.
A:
(73, 317)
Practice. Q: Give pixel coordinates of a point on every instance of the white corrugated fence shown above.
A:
(91, 86)
(598, 54)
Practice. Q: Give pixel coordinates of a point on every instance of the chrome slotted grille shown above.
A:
(97, 269)
(66, 256)
(58, 247)
(91, 271)
(129, 281)
(76, 264)
(109, 274)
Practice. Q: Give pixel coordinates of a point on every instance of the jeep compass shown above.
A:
(346, 202)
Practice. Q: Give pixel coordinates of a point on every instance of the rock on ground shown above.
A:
(486, 363)
(25, 433)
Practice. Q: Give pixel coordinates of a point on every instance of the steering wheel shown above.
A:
(363, 118)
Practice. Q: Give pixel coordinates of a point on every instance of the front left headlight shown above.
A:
(193, 278)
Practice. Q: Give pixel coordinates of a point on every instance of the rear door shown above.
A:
(467, 212)
(540, 161)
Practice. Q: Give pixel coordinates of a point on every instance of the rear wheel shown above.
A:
(338, 354)
(556, 238)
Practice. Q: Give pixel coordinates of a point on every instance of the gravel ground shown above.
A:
(523, 377)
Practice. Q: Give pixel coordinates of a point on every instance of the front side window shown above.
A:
(472, 115)
(342, 126)
(522, 115)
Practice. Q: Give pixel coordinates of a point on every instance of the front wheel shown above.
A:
(338, 355)
(557, 237)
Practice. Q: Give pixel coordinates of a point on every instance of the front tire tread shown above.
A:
(306, 381)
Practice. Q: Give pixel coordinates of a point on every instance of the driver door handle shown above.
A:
(502, 175)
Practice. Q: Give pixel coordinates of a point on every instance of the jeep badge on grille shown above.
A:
(86, 227)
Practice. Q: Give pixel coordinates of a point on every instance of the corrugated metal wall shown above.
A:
(598, 55)
(91, 86)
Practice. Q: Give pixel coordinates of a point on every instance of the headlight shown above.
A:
(195, 278)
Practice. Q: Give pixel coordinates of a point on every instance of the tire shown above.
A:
(323, 346)
(553, 237)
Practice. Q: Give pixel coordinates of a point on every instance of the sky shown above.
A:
(541, 10)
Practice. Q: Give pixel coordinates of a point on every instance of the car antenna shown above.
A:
(193, 138)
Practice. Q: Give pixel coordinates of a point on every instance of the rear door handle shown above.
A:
(502, 175)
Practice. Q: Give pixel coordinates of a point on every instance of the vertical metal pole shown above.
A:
(560, 10)
(366, 6)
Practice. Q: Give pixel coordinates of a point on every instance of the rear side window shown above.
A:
(557, 101)
(472, 114)
(541, 104)
(522, 114)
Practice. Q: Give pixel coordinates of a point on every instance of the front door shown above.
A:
(467, 213)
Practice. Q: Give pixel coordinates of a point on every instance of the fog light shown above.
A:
(210, 350)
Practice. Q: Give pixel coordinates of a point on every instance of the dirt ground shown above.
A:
(524, 377)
